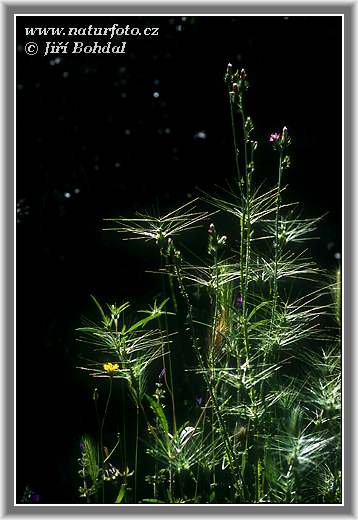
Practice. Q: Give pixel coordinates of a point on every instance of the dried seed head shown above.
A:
(241, 434)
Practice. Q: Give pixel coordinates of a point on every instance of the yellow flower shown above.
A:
(110, 367)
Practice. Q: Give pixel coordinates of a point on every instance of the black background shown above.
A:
(94, 141)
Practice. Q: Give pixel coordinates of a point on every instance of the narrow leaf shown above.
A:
(158, 410)
(121, 494)
(99, 307)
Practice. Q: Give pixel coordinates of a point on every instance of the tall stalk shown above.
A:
(136, 455)
(228, 79)
(277, 241)
(233, 462)
(101, 447)
(170, 386)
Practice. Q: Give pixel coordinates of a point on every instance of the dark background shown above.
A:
(105, 135)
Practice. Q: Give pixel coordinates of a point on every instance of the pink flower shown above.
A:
(274, 137)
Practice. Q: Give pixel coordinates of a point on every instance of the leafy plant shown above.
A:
(261, 328)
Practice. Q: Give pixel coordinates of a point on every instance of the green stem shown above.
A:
(101, 428)
(211, 357)
(136, 455)
(169, 386)
(277, 248)
(233, 462)
(277, 242)
(107, 403)
(236, 151)
(124, 451)
(246, 242)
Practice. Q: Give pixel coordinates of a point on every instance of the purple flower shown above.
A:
(238, 301)
(198, 399)
(35, 498)
(274, 137)
(82, 446)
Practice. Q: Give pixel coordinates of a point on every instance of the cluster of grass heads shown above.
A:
(260, 323)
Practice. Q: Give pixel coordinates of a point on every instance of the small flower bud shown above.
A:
(211, 229)
(243, 74)
(285, 139)
(228, 74)
(286, 162)
(170, 247)
(235, 87)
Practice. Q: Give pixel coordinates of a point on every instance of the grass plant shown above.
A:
(259, 322)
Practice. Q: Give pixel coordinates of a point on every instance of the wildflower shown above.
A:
(198, 399)
(239, 301)
(161, 375)
(110, 367)
(274, 137)
(280, 141)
